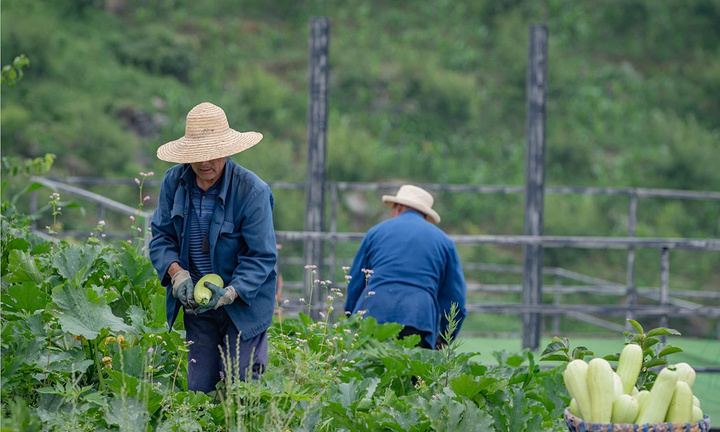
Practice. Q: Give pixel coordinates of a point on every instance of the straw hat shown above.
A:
(416, 198)
(207, 136)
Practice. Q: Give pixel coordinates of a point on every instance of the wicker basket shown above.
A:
(577, 425)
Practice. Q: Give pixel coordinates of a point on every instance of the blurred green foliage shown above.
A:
(433, 93)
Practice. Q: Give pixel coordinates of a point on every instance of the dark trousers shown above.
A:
(408, 330)
(208, 335)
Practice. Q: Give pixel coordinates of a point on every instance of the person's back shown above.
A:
(416, 275)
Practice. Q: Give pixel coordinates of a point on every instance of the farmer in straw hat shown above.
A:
(214, 216)
(407, 270)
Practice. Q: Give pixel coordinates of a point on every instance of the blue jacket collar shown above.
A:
(414, 212)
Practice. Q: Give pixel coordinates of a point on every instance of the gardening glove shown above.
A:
(183, 289)
(220, 297)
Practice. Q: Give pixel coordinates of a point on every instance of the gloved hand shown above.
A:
(221, 297)
(184, 289)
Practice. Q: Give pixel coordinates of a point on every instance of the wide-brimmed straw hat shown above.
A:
(416, 198)
(207, 136)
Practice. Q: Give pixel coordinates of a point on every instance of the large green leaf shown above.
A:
(75, 262)
(387, 330)
(17, 243)
(84, 313)
(128, 413)
(132, 361)
(28, 297)
(22, 268)
(136, 267)
(469, 386)
(130, 386)
(347, 393)
(157, 311)
(519, 411)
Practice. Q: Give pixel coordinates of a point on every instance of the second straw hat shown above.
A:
(416, 198)
(208, 136)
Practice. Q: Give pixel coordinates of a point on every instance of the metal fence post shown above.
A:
(534, 180)
(333, 228)
(664, 284)
(317, 147)
(556, 302)
(631, 288)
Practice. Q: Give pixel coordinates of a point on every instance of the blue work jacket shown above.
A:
(416, 276)
(241, 236)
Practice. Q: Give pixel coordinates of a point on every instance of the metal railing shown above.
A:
(668, 305)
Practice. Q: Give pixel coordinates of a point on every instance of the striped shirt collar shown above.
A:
(223, 184)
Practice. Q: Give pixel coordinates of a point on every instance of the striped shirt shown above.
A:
(202, 208)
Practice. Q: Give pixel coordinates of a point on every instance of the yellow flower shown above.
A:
(108, 362)
(110, 339)
(120, 338)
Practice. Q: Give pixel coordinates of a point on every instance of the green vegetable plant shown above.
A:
(654, 349)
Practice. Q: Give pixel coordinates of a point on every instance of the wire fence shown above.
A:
(675, 302)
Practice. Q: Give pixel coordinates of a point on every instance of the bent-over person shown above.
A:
(407, 270)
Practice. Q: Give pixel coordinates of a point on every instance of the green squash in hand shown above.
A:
(202, 294)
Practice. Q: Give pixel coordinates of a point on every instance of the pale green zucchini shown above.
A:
(655, 409)
(575, 378)
(680, 409)
(600, 384)
(685, 373)
(625, 409)
(629, 365)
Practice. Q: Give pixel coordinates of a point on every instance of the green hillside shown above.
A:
(423, 92)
